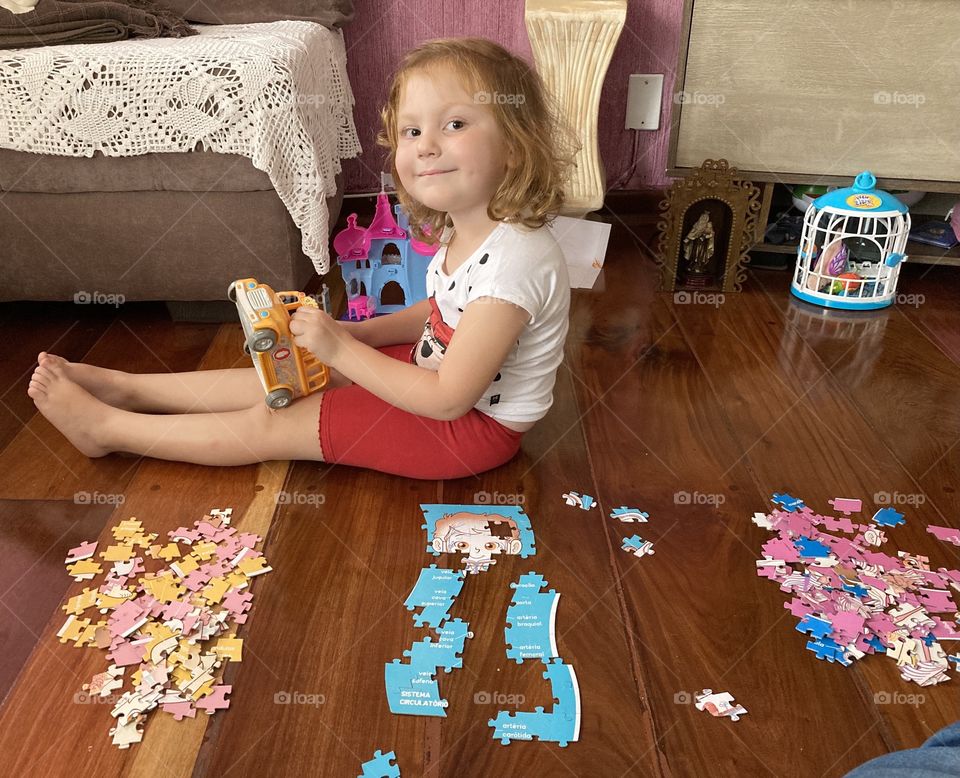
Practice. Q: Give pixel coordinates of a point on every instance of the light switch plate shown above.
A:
(644, 96)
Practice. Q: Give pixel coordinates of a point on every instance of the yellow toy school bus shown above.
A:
(286, 370)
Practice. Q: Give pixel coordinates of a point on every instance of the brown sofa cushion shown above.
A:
(196, 171)
(329, 13)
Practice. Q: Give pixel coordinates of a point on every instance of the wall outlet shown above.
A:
(644, 96)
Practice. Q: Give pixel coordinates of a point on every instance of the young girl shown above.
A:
(443, 389)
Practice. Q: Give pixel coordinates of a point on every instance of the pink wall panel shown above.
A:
(384, 29)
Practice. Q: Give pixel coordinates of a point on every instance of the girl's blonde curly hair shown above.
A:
(536, 136)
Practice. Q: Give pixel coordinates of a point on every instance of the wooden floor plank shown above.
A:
(63, 328)
(32, 578)
(140, 342)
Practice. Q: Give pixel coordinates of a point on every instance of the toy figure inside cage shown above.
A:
(851, 248)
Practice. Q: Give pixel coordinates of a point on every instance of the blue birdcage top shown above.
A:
(861, 198)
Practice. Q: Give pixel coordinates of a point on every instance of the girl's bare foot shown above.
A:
(104, 384)
(70, 408)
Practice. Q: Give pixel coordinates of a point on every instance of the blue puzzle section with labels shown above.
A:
(434, 592)
(380, 766)
(431, 655)
(531, 620)
(561, 725)
(412, 690)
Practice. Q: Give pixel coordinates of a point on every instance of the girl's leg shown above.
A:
(199, 391)
(239, 437)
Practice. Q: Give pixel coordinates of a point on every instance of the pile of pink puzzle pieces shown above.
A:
(176, 623)
(853, 600)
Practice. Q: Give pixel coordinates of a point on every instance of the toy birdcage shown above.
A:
(851, 248)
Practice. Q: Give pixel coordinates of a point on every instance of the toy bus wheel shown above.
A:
(279, 398)
(262, 340)
(232, 293)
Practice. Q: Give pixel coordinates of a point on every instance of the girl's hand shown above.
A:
(317, 332)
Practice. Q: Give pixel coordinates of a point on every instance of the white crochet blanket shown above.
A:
(277, 93)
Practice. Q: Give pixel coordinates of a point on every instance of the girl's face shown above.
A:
(451, 155)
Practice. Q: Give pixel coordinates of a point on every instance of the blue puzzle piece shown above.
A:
(381, 766)
(856, 589)
(629, 514)
(412, 691)
(811, 548)
(815, 627)
(787, 503)
(531, 620)
(435, 585)
(955, 658)
(431, 655)
(433, 513)
(877, 644)
(888, 517)
(829, 649)
(565, 689)
(637, 545)
(433, 615)
(525, 725)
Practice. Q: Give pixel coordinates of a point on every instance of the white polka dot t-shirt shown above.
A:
(522, 266)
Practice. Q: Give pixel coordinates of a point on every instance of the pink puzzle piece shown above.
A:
(216, 700)
(83, 551)
(843, 525)
(846, 505)
(180, 710)
(946, 534)
(937, 601)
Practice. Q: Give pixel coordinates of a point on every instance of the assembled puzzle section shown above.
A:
(411, 686)
(175, 622)
(478, 532)
(852, 600)
(531, 634)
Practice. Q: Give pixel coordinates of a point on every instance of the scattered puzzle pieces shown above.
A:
(629, 514)
(583, 501)
(637, 546)
(381, 766)
(719, 704)
(173, 628)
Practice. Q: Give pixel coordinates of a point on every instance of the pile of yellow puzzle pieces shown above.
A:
(175, 623)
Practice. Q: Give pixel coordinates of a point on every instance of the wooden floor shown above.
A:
(727, 402)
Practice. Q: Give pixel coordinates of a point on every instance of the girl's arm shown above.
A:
(404, 326)
(487, 333)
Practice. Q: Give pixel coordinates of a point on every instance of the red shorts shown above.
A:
(358, 428)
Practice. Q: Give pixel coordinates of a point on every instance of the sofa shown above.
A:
(176, 227)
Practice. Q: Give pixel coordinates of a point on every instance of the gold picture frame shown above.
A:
(707, 227)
